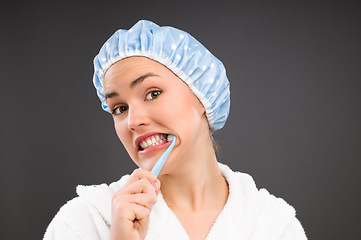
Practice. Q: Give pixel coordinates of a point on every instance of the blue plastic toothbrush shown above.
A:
(159, 164)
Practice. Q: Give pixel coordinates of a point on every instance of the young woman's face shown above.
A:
(148, 102)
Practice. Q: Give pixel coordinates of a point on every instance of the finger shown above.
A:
(157, 189)
(138, 212)
(140, 192)
(143, 199)
(124, 209)
(140, 186)
(139, 174)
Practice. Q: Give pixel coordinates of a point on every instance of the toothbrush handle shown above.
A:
(159, 164)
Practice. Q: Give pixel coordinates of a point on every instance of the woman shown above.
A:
(158, 82)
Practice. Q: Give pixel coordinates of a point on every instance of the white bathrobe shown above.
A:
(248, 214)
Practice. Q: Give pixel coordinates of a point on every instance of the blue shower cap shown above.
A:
(178, 51)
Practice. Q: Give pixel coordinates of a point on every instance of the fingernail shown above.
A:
(156, 186)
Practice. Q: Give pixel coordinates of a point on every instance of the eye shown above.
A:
(153, 95)
(119, 110)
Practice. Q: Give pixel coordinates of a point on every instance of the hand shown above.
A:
(134, 201)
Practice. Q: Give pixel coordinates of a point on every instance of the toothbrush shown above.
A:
(159, 164)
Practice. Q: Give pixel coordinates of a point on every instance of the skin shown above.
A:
(191, 183)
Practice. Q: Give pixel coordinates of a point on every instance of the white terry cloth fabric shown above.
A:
(249, 213)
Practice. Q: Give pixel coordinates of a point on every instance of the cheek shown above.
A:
(122, 133)
(185, 110)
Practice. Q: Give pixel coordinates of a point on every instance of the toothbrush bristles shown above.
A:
(170, 138)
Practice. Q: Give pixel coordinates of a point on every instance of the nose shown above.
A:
(137, 117)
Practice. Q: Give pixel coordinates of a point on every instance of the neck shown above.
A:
(197, 185)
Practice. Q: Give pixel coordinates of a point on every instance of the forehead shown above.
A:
(134, 67)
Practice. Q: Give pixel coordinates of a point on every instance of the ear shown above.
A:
(201, 109)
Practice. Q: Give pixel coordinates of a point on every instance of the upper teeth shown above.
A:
(153, 140)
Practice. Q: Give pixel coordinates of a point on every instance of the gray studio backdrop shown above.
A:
(294, 68)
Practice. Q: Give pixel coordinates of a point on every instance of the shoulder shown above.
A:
(263, 212)
(71, 221)
(294, 231)
(243, 186)
(87, 215)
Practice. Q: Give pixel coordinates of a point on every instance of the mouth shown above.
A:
(153, 140)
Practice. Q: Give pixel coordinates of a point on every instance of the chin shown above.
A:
(146, 164)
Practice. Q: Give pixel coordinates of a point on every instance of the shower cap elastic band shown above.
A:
(179, 52)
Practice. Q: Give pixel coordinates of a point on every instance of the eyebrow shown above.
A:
(136, 82)
(140, 79)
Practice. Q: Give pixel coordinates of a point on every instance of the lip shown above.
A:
(154, 148)
(141, 138)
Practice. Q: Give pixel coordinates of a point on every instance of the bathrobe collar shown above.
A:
(249, 212)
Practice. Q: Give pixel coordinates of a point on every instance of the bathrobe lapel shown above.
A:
(248, 214)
